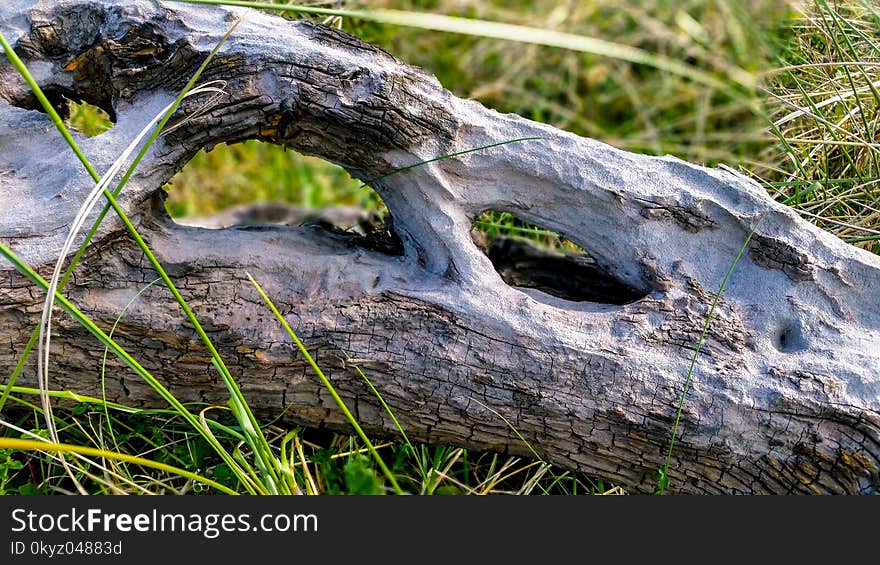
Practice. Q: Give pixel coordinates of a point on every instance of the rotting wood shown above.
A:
(785, 397)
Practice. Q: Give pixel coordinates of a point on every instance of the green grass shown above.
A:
(824, 98)
(806, 131)
(253, 172)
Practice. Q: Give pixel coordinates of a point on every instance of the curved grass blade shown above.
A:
(663, 473)
(44, 338)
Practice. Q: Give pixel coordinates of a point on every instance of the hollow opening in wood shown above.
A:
(789, 337)
(253, 185)
(529, 256)
(78, 113)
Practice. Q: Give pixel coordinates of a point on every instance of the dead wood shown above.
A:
(786, 393)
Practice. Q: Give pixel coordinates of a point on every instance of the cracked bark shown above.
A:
(785, 396)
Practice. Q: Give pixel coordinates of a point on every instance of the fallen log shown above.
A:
(785, 396)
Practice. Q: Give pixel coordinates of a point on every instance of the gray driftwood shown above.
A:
(785, 396)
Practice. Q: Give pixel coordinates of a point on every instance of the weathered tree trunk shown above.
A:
(785, 397)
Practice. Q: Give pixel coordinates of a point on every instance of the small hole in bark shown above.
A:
(529, 256)
(252, 185)
(790, 337)
(77, 114)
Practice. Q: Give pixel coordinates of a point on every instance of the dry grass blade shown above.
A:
(92, 463)
(837, 98)
(311, 485)
(52, 447)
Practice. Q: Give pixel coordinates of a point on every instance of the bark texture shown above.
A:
(785, 397)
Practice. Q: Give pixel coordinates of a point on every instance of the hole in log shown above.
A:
(78, 114)
(789, 337)
(253, 184)
(529, 256)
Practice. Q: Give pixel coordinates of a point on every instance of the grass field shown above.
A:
(789, 94)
